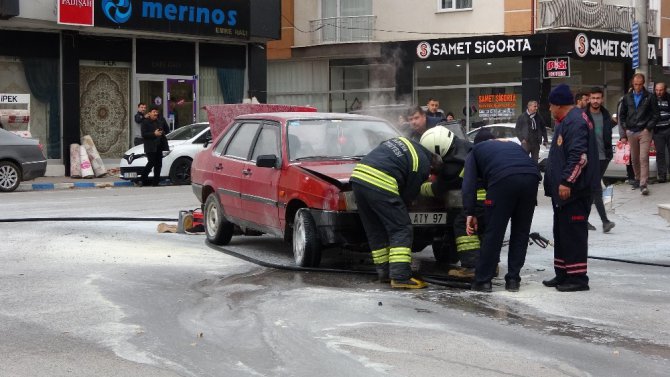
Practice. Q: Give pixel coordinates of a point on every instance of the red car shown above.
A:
(287, 174)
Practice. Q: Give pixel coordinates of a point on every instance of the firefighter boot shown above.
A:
(383, 273)
(411, 283)
(462, 273)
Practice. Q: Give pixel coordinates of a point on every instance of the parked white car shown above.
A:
(615, 170)
(184, 143)
(507, 131)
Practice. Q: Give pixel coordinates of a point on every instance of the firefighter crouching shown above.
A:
(385, 179)
(453, 152)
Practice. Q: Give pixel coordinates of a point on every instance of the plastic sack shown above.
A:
(621, 153)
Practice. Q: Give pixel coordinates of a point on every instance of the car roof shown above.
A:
(508, 125)
(307, 116)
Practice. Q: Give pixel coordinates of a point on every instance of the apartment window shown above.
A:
(446, 5)
(344, 21)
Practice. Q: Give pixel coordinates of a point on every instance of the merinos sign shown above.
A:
(201, 17)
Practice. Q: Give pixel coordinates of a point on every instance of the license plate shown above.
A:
(428, 218)
(130, 175)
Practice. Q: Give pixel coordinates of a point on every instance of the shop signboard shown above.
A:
(493, 106)
(478, 47)
(223, 18)
(608, 46)
(556, 67)
(75, 12)
(635, 45)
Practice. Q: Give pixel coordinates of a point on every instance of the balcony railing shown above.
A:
(589, 15)
(343, 29)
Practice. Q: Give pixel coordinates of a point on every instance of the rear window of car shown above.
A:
(315, 138)
(187, 132)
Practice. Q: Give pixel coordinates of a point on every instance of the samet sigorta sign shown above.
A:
(615, 46)
(475, 48)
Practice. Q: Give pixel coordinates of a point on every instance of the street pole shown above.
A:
(641, 10)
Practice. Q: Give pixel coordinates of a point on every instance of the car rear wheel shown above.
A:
(10, 176)
(218, 230)
(306, 244)
(180, 172)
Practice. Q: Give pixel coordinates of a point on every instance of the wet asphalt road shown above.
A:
(119, 299)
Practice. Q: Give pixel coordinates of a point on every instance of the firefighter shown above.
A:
(385, 180)
(453, 151)
(511, 179)
(572, 176)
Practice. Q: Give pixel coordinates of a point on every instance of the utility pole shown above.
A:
(641, 11)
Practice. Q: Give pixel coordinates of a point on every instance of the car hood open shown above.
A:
(337, 174)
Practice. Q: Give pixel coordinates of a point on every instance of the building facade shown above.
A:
(87, 64)
(483, 59)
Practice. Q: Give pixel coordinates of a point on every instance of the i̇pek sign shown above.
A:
(75, 12)
(556, 67)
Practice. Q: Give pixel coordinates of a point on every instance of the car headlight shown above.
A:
(346, 201)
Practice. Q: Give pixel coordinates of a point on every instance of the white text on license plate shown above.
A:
(428, 218)
(130, 175)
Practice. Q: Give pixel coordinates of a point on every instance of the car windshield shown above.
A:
(187, 132)
(335, 138)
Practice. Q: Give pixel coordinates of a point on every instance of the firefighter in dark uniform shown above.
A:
(511, 179)
(572, 175)
(449, 179)
(383, 182)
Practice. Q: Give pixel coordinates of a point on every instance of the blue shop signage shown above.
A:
(225, 18)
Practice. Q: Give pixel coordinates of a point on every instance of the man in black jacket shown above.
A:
(639, 114)
(570, 179)
(662, 131)
(383, 182)
(154, 129)
(531, 130)
(603, 125)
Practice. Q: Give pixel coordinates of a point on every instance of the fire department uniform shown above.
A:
(572, 162)
(451, 178)
(385, 179)
(511, 180)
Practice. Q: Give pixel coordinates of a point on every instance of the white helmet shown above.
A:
(437, 140)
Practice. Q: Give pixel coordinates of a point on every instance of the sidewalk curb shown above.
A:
(45, 186)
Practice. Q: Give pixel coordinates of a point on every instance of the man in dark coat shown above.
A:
(572, 176)
(531, 131)
(638, 117)
(603, 125)
(662, 131)
(154, 129)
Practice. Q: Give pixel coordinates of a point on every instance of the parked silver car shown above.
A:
(21, 159)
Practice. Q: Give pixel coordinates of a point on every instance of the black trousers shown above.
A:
(155, 162)
(571, 237)
(513, 198)
(662, 142)
(387, 226)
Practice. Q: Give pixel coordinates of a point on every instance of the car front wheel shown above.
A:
(306, 245)
(10, 176)
(218, 230)
(180, 172)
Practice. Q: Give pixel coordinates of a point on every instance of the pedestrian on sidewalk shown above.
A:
(154, 129)
(662, 131)
(571, 177)
(531, 130)
(603, 125)
(639, 115)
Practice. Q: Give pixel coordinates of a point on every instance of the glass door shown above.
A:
(182, 103)
(152, 92)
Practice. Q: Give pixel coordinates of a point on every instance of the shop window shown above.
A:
(490, 71)
(451, 5)
(299, 83)
(441, 73)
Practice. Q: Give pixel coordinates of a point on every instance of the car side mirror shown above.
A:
(207, 141)
(267, 161)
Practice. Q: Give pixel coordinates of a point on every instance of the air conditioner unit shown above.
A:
(9, 9)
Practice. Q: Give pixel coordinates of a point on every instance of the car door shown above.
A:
(259, 184)
(230, 164)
